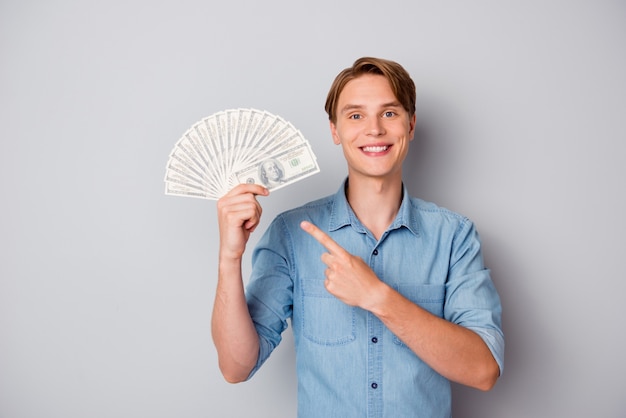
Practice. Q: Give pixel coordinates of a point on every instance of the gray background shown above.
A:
(106, 284)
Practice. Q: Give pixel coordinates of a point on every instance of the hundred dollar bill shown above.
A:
(180, 190)
(281, 169)
(208, 136)
(265, 122)
(177, 173)
(234, 146)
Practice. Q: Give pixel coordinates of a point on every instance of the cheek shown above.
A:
(347, 134)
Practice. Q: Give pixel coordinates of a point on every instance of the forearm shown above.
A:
(455, 352)
(233, 331)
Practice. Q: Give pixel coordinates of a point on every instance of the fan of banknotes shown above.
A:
(237, 146)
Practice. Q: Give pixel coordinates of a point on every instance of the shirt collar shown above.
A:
(342, 214)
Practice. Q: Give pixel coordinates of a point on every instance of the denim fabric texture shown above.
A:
(348, 363)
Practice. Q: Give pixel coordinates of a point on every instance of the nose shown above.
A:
(375, 127)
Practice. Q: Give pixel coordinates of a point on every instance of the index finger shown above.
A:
(322, 237)
(243, 188)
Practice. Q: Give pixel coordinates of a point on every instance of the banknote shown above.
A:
(179, 190)
(282, 169)
(237, 146)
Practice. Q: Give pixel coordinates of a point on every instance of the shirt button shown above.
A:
(374, 385)
(375, 252)
(374, 340)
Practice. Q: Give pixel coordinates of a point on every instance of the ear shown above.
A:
(333, 132)
(412, 122)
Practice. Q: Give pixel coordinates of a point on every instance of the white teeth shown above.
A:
(375, 149)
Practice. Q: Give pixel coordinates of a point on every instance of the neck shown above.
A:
(375, 201)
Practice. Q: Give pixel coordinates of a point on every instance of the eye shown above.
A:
(389, 114)
(354, 116)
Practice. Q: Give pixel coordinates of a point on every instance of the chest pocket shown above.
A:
(428, 297)
(325, 319)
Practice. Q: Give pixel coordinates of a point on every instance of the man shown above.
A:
(388, 295)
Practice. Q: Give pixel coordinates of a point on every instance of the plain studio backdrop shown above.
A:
(107, 285)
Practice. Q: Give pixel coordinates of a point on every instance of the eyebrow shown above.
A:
(350, 107)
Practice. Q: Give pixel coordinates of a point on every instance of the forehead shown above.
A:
(366, 89)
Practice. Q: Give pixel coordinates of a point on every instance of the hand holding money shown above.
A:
(234, 147)
(239, 213)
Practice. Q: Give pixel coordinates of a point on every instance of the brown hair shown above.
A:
(401, 83)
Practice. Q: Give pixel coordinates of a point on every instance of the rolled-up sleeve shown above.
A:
(270, 291)
(472, 300)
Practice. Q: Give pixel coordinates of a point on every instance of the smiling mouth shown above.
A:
(377, 148)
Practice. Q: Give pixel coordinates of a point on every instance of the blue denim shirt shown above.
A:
(348, 363)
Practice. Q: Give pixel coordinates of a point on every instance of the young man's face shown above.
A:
(372, 127)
